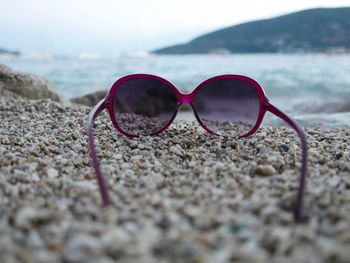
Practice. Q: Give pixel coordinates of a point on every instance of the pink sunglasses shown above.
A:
(225, 105)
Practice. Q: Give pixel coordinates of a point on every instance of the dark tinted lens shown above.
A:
(144, 106)
(228, 107)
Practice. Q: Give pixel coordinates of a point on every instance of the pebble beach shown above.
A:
(183, 196)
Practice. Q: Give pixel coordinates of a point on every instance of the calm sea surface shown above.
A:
(313, 88)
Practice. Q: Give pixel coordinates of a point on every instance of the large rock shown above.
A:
(17, 84)
(90, 99)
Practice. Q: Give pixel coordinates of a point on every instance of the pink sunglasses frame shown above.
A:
(265, 105)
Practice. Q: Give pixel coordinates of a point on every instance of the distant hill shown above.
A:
(4, 51)
(312, 30)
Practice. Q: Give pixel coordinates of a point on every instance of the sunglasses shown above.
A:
(226, 105)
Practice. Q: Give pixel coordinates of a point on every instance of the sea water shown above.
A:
(313, 88)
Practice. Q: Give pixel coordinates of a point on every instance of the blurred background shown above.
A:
(298, 51)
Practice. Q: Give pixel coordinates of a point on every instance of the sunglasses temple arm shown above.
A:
(92, 151)
(298, 212)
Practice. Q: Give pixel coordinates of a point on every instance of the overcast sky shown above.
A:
(70, 26)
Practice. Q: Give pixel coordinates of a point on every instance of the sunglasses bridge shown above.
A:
(185, 98)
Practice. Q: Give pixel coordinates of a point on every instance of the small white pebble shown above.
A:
(118, 156)
(52, 173)
(35, 177)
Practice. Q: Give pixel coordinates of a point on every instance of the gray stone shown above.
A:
(265, 170)
(90, 99)
(28, 217)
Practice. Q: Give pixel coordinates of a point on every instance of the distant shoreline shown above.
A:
(96, 56)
